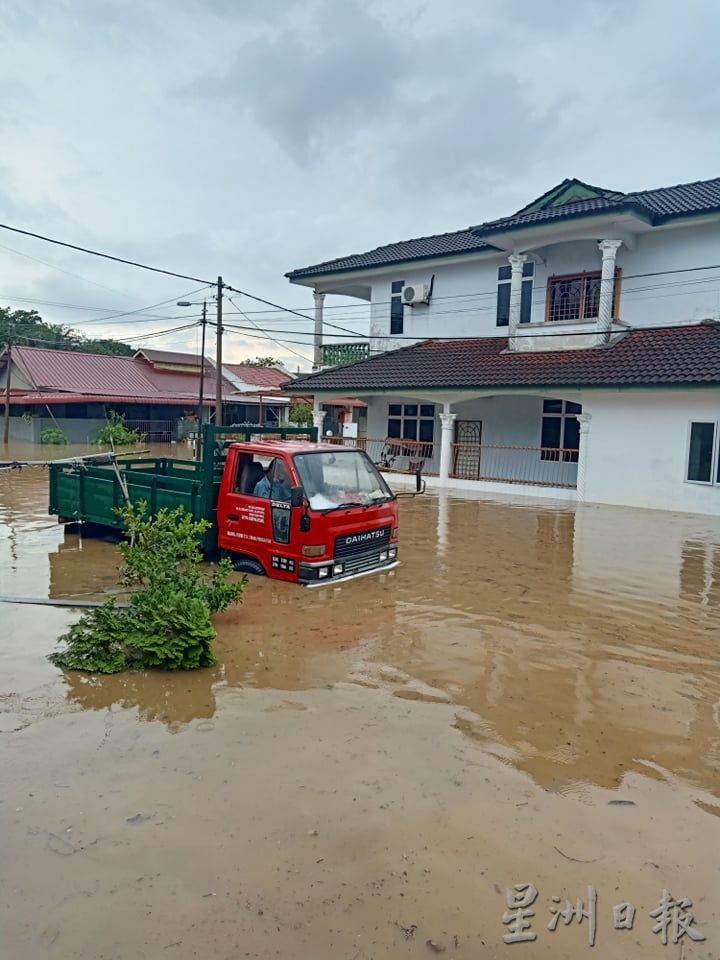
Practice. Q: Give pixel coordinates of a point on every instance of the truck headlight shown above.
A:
(383, 556)
(337, 569)
(392, 552)
(323, 572)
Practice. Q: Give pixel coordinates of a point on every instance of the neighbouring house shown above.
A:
(571, 349)
(157, 391)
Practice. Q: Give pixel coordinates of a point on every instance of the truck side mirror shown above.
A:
(297, 496)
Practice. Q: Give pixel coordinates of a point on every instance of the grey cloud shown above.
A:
(309, 86)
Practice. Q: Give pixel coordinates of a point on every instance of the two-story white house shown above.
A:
(571, 349)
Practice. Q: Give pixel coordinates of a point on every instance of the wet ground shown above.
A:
(533, 696)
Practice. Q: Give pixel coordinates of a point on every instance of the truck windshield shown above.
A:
(336, 478)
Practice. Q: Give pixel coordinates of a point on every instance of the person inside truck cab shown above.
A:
(275, 484)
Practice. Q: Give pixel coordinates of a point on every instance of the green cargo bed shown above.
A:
(93, 493)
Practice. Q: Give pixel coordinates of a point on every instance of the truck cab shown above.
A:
(305, 512)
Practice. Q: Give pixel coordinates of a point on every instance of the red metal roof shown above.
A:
(74, 377)
(258, 376)
(89, 373)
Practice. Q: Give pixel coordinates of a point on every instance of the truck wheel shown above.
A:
(249, 565)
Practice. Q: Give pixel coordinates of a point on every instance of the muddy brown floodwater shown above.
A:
(533, 696)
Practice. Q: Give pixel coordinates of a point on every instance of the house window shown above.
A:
(702, 462)
(411, 421)
(560, 435)
(577, 297)
(502, 317)
(396, 307)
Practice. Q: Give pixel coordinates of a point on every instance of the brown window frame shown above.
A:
(587, 275)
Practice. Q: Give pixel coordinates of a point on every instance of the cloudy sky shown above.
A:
(250, 137)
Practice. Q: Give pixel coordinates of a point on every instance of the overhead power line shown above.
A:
(128, 340)
(105, 256)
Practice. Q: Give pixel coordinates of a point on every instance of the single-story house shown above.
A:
(157, 391)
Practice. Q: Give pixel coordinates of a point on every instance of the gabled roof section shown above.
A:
(657, 357)
(406, 251)
(570, 190)
(565, 202)
(169, 357)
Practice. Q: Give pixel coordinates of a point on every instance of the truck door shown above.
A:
(257, 508)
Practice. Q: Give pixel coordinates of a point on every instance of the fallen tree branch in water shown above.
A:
(574, 859)
(61, 602)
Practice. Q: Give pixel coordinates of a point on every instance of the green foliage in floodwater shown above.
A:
(115, 432)
(168, 624)
(53, 435)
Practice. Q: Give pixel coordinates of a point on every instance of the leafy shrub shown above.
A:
(53, 435)
(301, 413)
(117, 433)
(167, 624)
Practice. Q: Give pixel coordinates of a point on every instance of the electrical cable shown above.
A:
(106, 256)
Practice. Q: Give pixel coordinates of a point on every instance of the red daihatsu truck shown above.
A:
(306, 512)
(292, 509)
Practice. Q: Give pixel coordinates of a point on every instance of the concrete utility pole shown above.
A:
(198, 443)
(318, 334)
(8, 368)
(218, 357)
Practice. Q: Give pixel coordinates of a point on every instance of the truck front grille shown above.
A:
(361, 545)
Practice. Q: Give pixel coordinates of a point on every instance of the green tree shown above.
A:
(301, 413)
(262, 362)
(168, 623)
(29, 329)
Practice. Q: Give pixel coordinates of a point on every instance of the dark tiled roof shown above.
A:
(672, 355)
(685, 198)
(562, 211)
(656, 206)
(421, 248)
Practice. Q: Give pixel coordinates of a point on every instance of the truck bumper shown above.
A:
(350, 576)
(339, 570)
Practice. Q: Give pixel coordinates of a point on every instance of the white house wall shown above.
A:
(637, 448)
(464, 297)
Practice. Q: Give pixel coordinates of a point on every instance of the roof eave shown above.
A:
(499, 228)
(297, 276)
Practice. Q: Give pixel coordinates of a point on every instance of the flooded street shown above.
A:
(533, 696)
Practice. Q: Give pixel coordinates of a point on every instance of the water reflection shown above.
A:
(172, 699)
(575, 644)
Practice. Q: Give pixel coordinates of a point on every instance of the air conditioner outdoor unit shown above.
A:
(416, 293)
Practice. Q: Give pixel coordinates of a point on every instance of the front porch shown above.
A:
(515, 443)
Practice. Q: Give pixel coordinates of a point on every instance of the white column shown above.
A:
(318, 417)
(447, 421)
(609, 249)
(317, 340)
(516, 261)
(584, 420)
